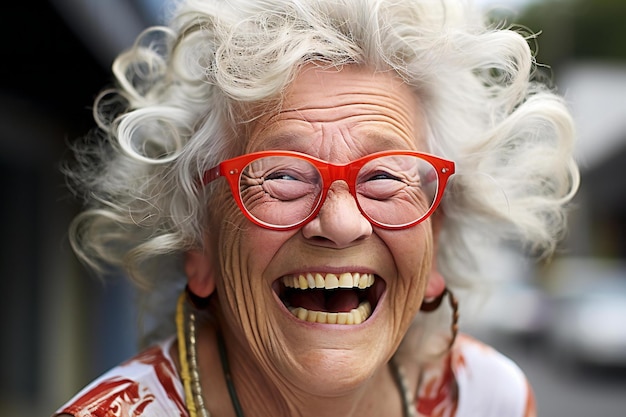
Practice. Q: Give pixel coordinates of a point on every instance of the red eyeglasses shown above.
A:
(283, 190)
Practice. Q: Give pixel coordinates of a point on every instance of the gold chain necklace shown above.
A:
(190, 373)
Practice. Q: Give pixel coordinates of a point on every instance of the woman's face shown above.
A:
(337, 116)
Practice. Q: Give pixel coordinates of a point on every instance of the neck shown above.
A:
(257, 388)
(261, 392)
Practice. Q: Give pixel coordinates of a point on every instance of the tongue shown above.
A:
(309, 299)
(335, 301)
(342, 301)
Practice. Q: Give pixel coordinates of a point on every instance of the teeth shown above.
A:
(355, 316)
(319, 282)
(329, 281)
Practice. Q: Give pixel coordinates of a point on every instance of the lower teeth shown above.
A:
(355, 316)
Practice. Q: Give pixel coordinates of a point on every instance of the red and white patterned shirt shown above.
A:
(474, 381)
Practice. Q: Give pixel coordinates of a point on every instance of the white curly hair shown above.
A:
(184, 92)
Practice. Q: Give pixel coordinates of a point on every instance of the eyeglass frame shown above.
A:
(232, 168)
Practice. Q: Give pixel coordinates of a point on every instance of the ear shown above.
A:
(436, 282)
(199, 271)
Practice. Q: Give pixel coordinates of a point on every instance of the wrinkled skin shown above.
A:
(284, 366)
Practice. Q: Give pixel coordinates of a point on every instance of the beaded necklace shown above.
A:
(190, 372)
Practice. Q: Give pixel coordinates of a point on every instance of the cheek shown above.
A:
(245, 292)
(222, 210)
(245, 252)
(234, 283)
(413, 255)
(226, 225)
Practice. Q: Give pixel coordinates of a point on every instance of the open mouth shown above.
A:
(347, 298)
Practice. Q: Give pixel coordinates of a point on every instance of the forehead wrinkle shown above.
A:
(342, 146)
(387, 107)
(400, 123)
(301, 132)
(375, 119)
(347, 98)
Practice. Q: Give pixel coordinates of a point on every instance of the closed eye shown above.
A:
(280, 176)
(382, 176)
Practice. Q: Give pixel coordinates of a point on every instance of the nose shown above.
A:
(339, 222)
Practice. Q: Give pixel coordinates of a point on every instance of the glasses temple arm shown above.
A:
(211, 174)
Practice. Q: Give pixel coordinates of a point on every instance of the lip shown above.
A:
(311, 305)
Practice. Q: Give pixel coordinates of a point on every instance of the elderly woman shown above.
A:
(312, 177)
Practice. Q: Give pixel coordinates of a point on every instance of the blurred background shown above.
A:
(563, 321)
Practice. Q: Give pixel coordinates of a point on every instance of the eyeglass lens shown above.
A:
(392, 190)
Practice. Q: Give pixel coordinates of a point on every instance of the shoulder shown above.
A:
(147, 384)
(489, 383)
(474, 379)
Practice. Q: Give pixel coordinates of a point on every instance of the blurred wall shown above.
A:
(60, 326)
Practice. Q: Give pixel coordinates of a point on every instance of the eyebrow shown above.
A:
(385, 140)
(283, 140)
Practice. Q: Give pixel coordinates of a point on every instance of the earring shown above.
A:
(199, 303)
(432, 305)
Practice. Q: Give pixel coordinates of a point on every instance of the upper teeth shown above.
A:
(328, 281)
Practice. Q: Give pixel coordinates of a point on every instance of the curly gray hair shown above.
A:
(184, 93)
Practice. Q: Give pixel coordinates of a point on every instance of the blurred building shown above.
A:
(596, 91)
(60, 327)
